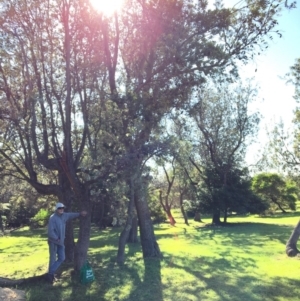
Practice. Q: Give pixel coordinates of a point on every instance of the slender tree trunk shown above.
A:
(225, 216)
(279, 206)
(170, 216)
(1, 224)
(197, 217)
(167, 208)
(291, 245)
(216, 218)
(126, 231)
(148, 241)
(182, 210)
(66, 198)
(133, 234)
(101, 215)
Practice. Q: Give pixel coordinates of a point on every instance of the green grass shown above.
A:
(242, 261)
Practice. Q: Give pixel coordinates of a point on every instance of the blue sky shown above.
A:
(275, 99)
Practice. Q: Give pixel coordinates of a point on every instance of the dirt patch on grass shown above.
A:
(8, 294)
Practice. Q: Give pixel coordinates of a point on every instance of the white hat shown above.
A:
(59, 205)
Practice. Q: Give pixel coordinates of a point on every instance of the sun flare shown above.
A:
(107, 7)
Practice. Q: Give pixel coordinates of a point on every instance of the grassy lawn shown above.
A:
(243, 261)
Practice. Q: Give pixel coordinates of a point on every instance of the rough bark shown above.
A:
(82, 245)
(148, 241)
(67, 198)
(291, 245)
(69, 242)
(83, 242)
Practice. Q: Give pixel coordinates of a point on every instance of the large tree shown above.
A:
(224, 124)
(48, 86)
(275, 190)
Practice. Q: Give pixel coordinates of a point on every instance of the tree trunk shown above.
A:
(216, 218)
(126, 231)
(1, 224)
(167, 208)
(133, 234)
(278, 204)
(83, 242)
(122, 241)
(182, 210)
(291, 245)
(69, 242)
(101, 216)
(225, 216)
(67, 198)
(197, 217)
(148, 241)
(170, 216)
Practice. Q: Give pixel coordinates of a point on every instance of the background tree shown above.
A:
(274, 189)
(223, 122)
(165, 189)
(282, 151)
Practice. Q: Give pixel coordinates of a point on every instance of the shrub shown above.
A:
(40, 219)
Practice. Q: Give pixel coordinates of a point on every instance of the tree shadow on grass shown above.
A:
(41, 290)
(79, 291)
(221, 279)
(26, 232)
(150, 286)
(125, 282)
(238, 234)
(278, 215)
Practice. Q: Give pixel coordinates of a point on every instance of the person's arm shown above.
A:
(71, 215)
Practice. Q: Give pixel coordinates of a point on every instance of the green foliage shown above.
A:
(156, 211)
(236, 196)
(275, 190)
(190, 207)
(41, 218)
(19, 214)
(283, 151)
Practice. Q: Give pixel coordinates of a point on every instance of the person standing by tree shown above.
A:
(56, 237)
